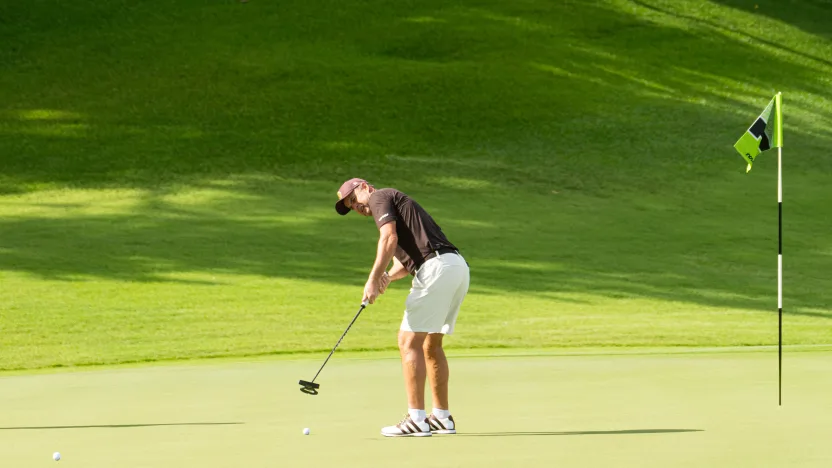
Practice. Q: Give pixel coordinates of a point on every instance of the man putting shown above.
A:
(410, 237)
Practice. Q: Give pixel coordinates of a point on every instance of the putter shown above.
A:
(311, 388)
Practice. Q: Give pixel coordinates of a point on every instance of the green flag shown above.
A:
(765, 133)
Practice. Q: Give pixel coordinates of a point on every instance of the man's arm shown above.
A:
(398, 271)
(387, 242)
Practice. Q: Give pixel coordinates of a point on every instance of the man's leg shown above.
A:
(413, 367)
(437, 369)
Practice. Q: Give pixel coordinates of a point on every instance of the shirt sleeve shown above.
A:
(382, 207)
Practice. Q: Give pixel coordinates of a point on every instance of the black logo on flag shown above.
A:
(759, 131)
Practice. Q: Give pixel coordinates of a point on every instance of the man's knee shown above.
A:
(411, 340)
(432, 346)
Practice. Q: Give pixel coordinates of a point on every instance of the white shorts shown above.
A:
(439, 287)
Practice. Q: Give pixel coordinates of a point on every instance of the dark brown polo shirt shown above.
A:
(418, 233)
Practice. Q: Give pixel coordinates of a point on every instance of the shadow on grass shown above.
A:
(824, 10)
(812, 16)
(261, 227)
(571, 433)
(117, 426)
(539, 82)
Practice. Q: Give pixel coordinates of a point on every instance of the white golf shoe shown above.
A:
(407, 428)
(442, 426)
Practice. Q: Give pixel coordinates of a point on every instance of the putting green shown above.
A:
(625, 410)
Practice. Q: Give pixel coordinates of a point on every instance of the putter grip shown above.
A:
(365, 303)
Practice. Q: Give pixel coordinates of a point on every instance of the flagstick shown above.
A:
(780, 276)
(749, 146)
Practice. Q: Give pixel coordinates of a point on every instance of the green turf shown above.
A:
(716, 410)
(169, 170)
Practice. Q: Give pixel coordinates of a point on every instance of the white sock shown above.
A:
(417, 415)
(442, 413)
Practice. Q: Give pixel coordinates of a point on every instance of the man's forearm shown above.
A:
(386, 249)
(397, 272)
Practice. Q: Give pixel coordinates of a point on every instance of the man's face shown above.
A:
(358, 200)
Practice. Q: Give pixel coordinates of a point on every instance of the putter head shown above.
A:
(310, 388)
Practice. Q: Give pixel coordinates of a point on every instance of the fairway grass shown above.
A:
(693, 410)
(223, 268)
(169, 170)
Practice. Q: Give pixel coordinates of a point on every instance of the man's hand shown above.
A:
(371, 291)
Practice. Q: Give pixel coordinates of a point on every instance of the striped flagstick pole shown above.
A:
(778, 116)
(779, 277)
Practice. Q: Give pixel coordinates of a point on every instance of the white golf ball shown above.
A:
(306, 431)
(56, 456)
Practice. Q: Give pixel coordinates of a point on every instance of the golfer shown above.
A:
(410, 237)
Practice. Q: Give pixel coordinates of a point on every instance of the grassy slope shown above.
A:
(168, 171)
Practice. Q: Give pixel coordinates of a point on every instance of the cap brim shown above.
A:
(341, 208)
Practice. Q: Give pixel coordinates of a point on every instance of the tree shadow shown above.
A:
(117, 426)
(817, 24)
(811, 16)
(248, 229)
(290, 120)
